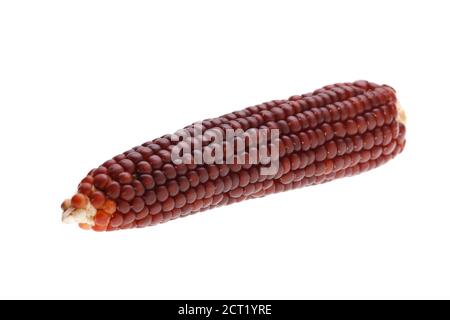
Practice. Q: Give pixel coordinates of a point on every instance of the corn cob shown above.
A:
(337, 131)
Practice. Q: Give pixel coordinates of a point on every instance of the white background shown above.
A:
(81, 81)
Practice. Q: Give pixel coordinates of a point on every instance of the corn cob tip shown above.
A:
(84, 216)
(401, 114)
